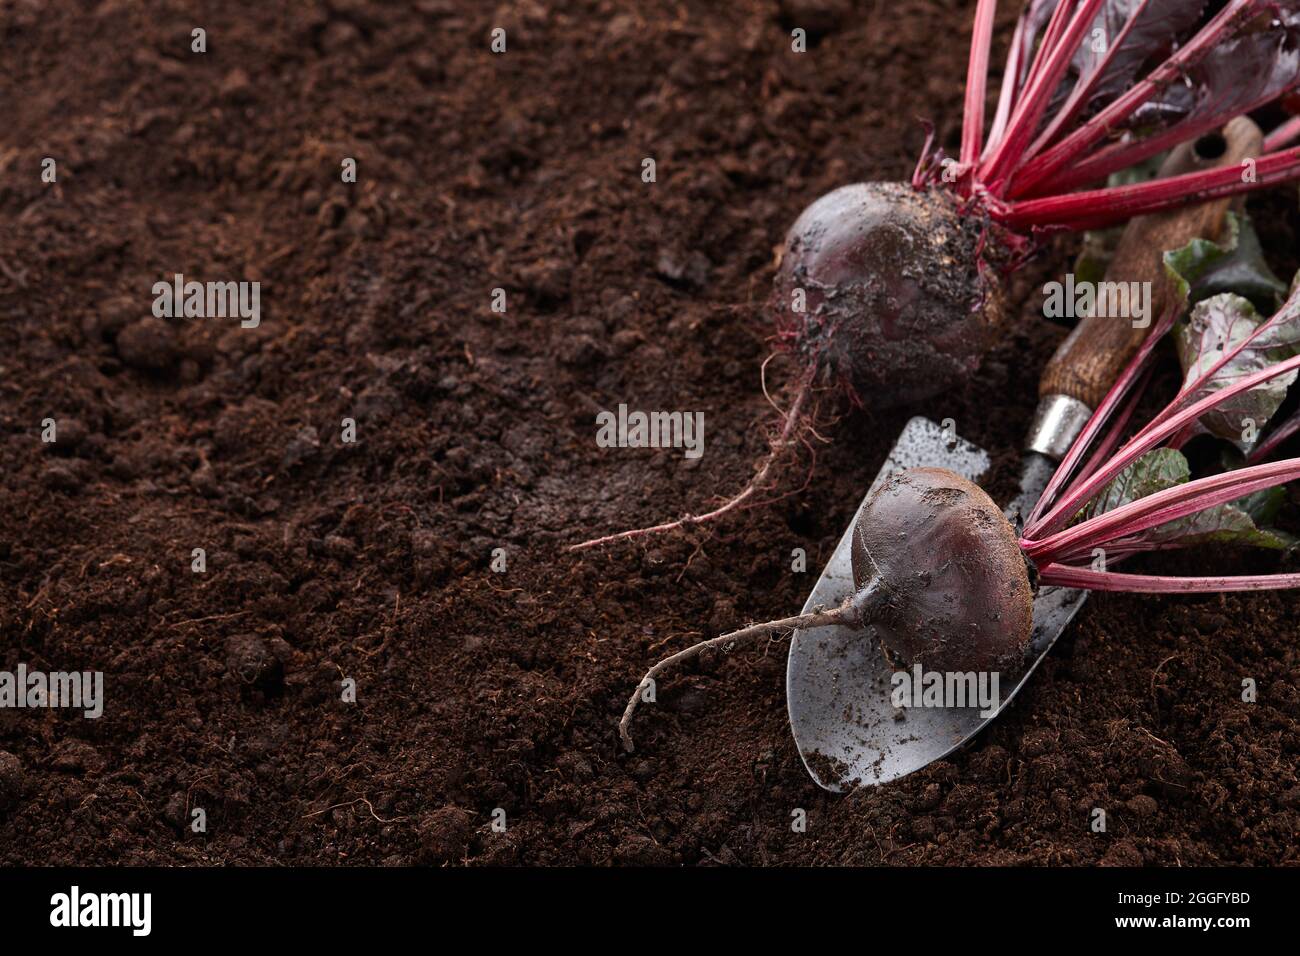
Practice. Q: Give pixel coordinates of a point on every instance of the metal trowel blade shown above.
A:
(838, 682)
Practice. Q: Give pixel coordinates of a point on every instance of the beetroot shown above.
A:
(884, 288)
(956, 593)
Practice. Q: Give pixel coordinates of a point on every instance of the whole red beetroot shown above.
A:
(950, 585)
(886, 288)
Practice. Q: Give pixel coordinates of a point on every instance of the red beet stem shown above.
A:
(1117, 394)
(1115, 430)
(1010, 88)
(1039, 170)
(1275, 438)
(1056, 23)
(972, 129)
(1123, 155)
(1283, 135)
(1098, 208)
(1160, 508)
(1083, 89)
(1061, 575)
(1163, 426)
(1189, 389)
(1035, 525)
(1049, 67)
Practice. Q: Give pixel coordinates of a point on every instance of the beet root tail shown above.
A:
(848, 614)
(780, 445)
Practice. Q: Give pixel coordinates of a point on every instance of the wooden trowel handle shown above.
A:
(1089, 361)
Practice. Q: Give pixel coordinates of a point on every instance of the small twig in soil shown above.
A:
(353, 803)
(849, 614)
(16, 276)
(687, 566)
(1155, 673)
(210, 617)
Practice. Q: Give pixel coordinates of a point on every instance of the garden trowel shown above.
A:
(838, 681)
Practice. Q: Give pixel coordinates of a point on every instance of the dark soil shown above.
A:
(479, 690)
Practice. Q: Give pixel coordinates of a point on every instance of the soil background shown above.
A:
(370, 561)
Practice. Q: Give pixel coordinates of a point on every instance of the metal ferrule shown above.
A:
(1057, 423)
